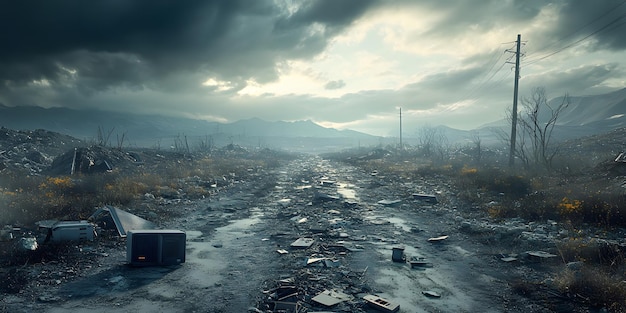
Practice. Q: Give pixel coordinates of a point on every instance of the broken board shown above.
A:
(425, 197)
(437, 239)
(389, 202)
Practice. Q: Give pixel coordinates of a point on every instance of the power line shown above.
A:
(488, 76)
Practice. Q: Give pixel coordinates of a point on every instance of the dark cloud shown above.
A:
(331, 13)
(463, 18)
(604, 21)
(101, 44)
(580, 25)
(586, 79)
(335, 84)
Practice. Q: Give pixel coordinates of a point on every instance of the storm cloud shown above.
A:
(197, 57)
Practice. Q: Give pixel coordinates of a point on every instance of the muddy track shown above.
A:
(233, 263)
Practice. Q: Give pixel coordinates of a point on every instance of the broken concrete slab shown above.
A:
(539, 255)
(284, 202)
(302, 243)
(331, 297)
(381, 304)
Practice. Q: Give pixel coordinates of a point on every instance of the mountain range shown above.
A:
(584, 116)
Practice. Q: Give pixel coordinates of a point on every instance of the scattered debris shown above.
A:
(381, 304)
(109, 217)
(6, 235)
(282, 251)
(419, 262)
(287, 307)
(319, 197)
(28, 244)
(431, 294)
(397, 255)
(328, 183)
(437, 239)
(302, 243)
(389, 202)
(324, 262)
(284, 202)
(540, 255)
(509, 258)
(331, 297)
(425, 197)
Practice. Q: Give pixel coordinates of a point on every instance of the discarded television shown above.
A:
(155, 247)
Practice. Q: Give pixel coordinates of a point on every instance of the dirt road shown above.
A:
(355, 219)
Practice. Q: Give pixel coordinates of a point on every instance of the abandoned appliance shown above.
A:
(58, 231)
(155, 247)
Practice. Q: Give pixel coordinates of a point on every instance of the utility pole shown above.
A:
(514, 113)
(401, 129)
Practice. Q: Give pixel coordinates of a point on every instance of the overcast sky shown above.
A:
(340, 63)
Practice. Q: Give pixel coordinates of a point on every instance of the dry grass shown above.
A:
(27, 199)
(594, 287)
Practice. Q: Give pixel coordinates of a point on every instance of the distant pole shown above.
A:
(514, 113)
(400, 128)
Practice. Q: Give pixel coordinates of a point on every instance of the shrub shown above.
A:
(494, 180)
(594, 286)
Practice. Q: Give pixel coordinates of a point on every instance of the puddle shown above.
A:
(405, 286)
(398, 222)
(462, 251)
(207, 260)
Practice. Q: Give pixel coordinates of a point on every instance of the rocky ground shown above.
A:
(240, 256)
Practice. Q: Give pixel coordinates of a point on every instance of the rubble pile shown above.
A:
(32, 151)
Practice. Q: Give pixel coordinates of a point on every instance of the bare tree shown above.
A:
(536, 123)
(432, 141)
